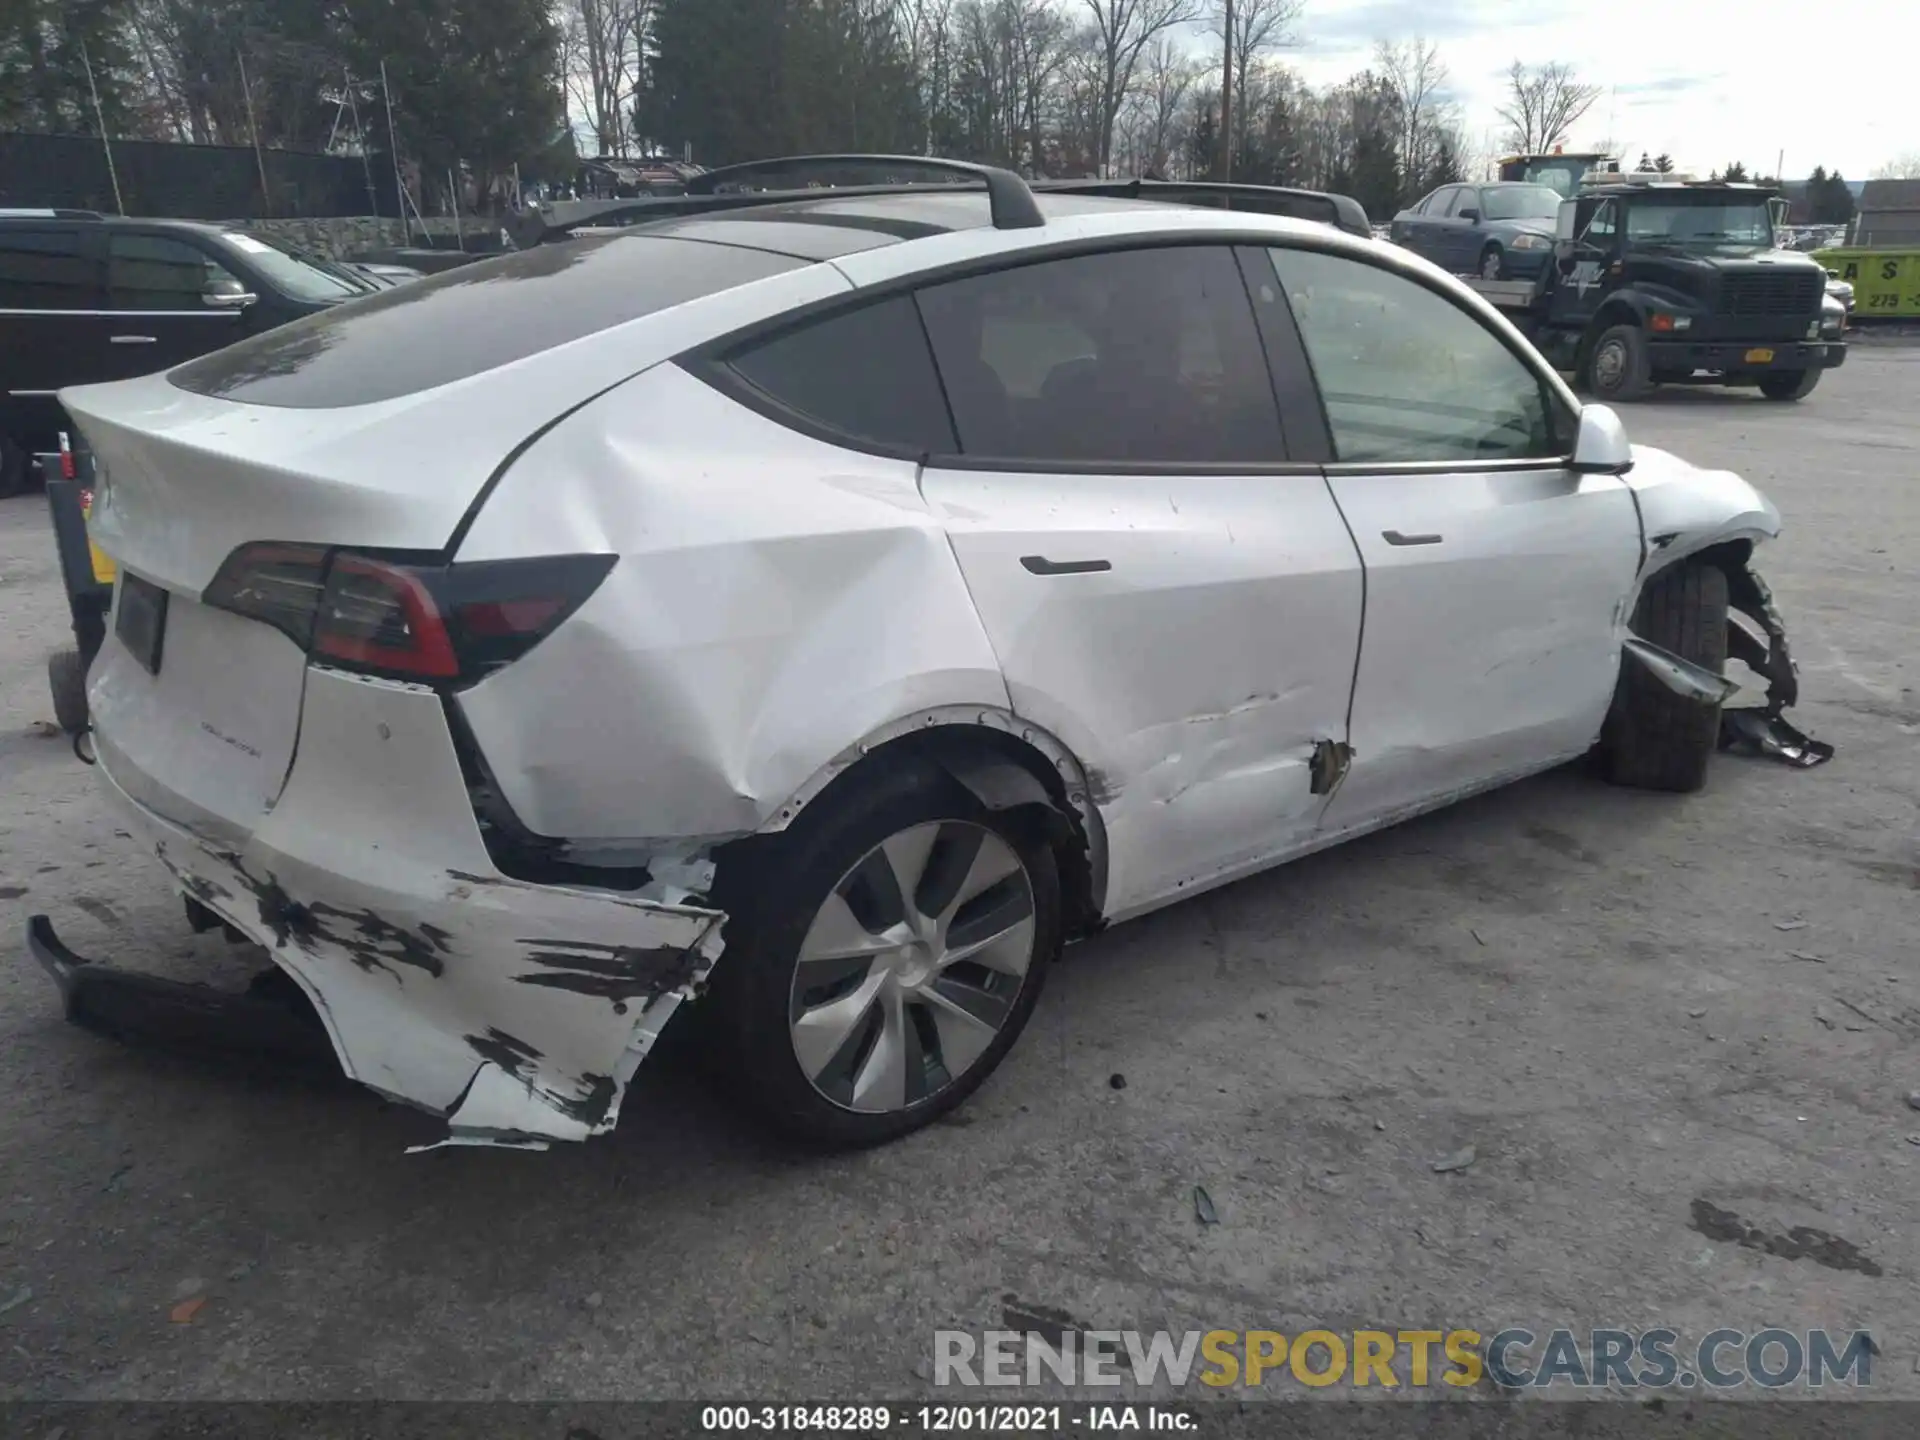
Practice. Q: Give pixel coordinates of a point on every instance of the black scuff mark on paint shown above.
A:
(610, 972)
(1802, 1242)
(373, 940)
(1100, 790)
(510, 1053)
(591, 1106)
(369, 940)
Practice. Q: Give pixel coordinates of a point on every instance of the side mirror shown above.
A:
(227, 294)
(1468, 214)
(1601, 447)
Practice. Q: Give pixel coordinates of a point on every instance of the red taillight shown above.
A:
(433, 623)
(67, 471)
(381, 617)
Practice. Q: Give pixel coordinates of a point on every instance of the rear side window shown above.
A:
(153, 272)
(45, 270)
(1132, 356)
(471, 319)
(866, 373)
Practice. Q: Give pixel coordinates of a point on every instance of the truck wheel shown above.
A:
(1655, 740)
(1795, 386)
(67, 679)
(1617, 366)
(16, 468)
(1493, 265)
(882, 956)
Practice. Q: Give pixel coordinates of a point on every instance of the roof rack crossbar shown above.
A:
(1342, 212)
(1009, 200)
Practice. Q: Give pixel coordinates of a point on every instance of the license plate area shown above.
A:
(1759, 357)
(140, 620)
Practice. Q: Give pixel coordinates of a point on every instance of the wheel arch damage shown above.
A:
(1005, 763)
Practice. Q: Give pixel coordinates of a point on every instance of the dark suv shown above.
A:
(85, 297)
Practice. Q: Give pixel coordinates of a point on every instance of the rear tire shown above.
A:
(778, 902)
(1655, 740)
(1617, 367)
(16, 468)
(1790, 387)
(67, 679)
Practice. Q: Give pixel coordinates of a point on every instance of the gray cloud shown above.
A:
(1356, 27)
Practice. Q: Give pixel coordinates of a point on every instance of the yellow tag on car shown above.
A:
(1759, 357)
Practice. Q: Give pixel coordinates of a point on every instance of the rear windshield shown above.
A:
(476, 317)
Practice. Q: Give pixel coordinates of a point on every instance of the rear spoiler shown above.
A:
(797, 178)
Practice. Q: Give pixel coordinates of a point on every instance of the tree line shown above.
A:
(1050, 87)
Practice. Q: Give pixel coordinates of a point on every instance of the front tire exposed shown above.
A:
(1795, 386)
(1657, 740)
(1493, 265)
(882, 956)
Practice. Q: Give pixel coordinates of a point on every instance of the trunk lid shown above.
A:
(205, 737)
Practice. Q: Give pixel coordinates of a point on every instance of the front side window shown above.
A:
(1407, 376)
(1601, 224)
(45, 270)
(1131, 356)
(152, 272)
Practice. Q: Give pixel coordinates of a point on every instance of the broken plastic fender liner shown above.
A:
(1684, 678)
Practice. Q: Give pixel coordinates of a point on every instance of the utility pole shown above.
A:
(253, 129)
(1226, 97)
(393, 146)
(100, 120)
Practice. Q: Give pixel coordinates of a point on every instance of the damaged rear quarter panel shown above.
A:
(516, 1009)
(776, 599)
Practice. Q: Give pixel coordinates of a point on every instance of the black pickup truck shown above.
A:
(1658, 281)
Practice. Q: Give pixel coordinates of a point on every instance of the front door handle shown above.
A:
(1041, 565)
(1394, 537)
(135, 339)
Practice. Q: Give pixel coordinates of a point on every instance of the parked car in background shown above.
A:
(86, 298)
(1498, 232)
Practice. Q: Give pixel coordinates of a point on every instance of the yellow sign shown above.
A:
(103, 567)
(1759, 357)
(1886, 283)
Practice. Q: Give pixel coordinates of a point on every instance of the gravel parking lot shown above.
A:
(1645, 1014)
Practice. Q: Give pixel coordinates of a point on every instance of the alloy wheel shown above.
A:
(1490, 265)
(912, 966)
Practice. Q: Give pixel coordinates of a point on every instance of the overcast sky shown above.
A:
(1707, 81)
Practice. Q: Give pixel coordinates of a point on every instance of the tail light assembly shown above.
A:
(438, 624)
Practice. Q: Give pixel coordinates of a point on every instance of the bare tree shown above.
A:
(1901, 167)
(1121, 30)
(602, 47)
(1543, 104)
(1259, 28)
(1167, 76)
(1417, 78)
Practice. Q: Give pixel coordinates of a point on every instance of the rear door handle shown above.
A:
(135, 339)
(1041, 565)
(1394, 537)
